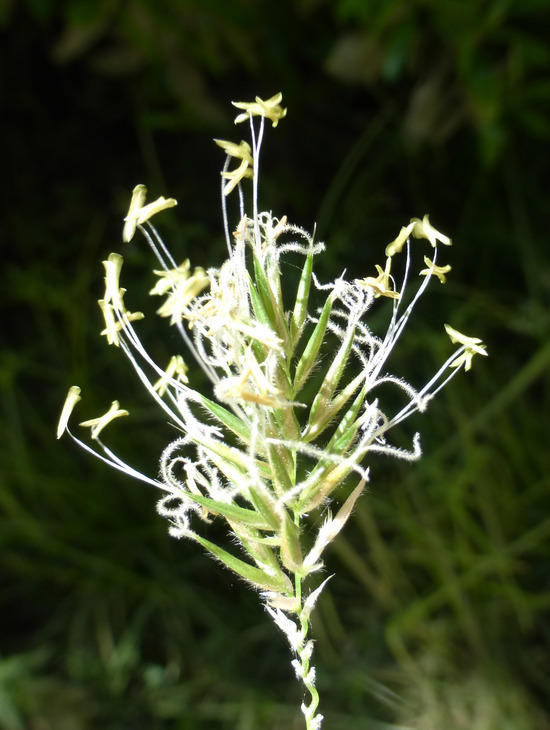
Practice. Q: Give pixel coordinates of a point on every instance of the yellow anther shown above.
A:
(438, 271)
(271, 109)
(98, 424)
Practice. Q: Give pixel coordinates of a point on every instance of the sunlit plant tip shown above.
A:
(277, 442)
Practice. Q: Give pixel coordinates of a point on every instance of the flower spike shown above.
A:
(274, 437)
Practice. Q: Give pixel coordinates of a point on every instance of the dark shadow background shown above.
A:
(438, 613)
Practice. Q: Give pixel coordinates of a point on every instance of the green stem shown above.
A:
(307, 670)
(303, 666)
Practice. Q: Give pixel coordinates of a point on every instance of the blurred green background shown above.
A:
(438, 614)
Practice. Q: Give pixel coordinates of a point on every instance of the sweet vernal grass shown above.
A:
(254, 450)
